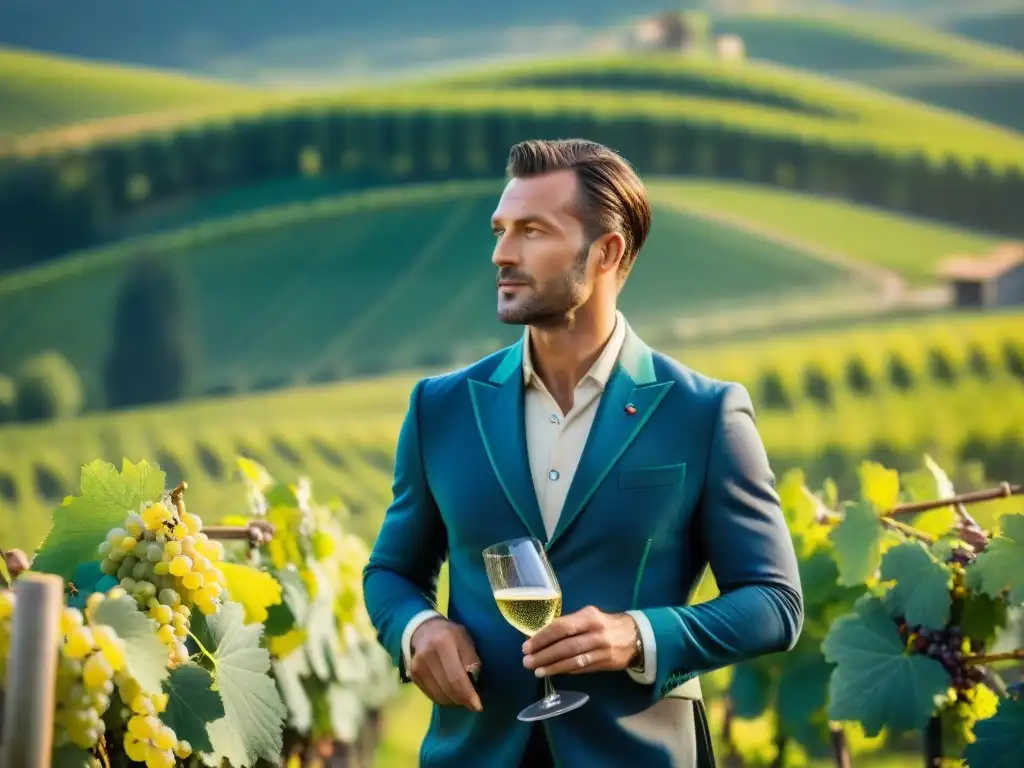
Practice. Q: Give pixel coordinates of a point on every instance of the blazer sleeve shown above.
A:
(400, 579)
(742, 531)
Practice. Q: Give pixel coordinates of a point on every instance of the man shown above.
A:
(636, 473)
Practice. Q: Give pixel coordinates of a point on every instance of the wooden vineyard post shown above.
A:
(32, 671)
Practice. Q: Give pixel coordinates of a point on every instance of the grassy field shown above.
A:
(838, 42)
(44, 92)
(318, 290)
(343, 436)
(929, 65)
(909, 247)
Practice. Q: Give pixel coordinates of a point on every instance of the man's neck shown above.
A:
(562, 356)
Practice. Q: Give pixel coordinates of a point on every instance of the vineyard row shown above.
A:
(92, 191)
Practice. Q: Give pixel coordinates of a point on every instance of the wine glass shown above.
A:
(528, 596)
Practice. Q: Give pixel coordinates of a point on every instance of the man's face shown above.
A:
(541, 251)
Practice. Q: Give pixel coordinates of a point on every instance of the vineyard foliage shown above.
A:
(901, 611)
(178, 647)
(343, 436)
(744, 122)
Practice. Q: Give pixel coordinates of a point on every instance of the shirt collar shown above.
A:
(602, 368)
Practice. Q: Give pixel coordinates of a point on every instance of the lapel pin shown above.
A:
(630, 409)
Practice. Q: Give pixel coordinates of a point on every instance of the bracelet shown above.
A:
(637, 662)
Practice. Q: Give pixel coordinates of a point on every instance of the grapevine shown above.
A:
(907, 604)
(156, 665)
(179, 650)
(330, 669)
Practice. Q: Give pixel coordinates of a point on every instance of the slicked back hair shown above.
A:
(612, 196)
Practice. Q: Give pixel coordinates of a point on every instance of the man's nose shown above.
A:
(505, 254)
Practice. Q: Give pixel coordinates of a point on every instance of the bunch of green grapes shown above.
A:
(147, 740)
(165, 561)
(89, 657)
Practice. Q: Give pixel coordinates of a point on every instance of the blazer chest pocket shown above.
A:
(652, 477)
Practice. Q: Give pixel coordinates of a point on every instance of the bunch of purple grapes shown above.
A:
(946, 647)
(961, 556)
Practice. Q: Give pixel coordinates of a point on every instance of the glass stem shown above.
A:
(552, 694)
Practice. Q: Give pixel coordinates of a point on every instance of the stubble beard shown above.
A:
(554, 305)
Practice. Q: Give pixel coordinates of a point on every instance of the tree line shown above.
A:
(78, 198)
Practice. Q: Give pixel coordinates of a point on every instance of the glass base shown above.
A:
(557, 704)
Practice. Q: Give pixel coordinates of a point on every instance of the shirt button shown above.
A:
(553, 474)
(554, 419)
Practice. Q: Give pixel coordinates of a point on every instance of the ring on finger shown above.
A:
(581, 660)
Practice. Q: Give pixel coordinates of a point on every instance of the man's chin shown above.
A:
(513, 317)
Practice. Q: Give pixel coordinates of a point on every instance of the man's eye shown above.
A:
(532, 231)
(497, 232)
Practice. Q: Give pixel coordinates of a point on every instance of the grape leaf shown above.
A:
(192, 705)
(750, 690)
(253, 711)
(927, 484)
(982, 616)
(82, 522)
(999, 740)
(803, 688)
(921, 592)
(255, 590)
(799, 506)
(293, 609)
(323, 644)
(998, 567)
(145, 655)
(879, 486)
(875, 682)
(857, 544)
(346, 712)
(70, 756)
(289, 673)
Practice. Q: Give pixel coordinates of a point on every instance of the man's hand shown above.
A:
(582, 642)
(442, 657)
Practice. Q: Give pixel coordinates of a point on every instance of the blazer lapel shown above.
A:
(631, 397)
(499, 411)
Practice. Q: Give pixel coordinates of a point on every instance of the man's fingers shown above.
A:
(570, 625)
(581, 664)
(429, 684)
(559, 629)
(563, 649)
(454, 679)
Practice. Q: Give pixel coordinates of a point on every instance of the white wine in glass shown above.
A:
(528, 596)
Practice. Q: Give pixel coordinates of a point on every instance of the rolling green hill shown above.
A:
(840, 42)
(1003, 26)
(320, 290)
(950, 385)
(892, 53)
(668, 115)
(40, 92)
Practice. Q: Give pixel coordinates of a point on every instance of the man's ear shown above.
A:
(611, 247)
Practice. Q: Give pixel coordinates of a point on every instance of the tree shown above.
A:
(152, 356)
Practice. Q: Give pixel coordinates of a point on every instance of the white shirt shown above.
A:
(555, 441)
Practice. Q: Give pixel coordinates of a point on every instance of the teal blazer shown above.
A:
(664, 489)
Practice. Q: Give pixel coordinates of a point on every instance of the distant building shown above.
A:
(669, 31)
(986, 282)
(730, 47)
